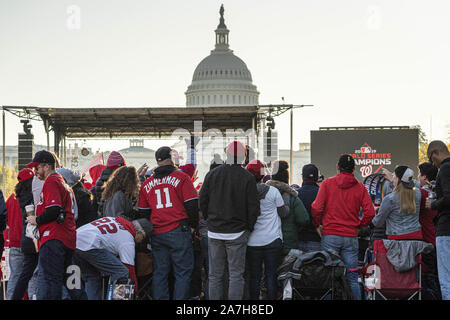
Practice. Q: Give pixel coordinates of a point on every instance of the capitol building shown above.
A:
(222, 78)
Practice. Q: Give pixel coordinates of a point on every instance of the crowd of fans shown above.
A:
(223, 238)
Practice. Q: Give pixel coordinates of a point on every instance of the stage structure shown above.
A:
(145, 122)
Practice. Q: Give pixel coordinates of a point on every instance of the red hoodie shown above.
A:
(338, 204)
(14, 221)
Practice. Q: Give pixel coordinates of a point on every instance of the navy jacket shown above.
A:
(308, 193)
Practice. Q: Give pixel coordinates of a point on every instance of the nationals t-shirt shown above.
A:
(166, 197)
(56, 192)
(109, 234)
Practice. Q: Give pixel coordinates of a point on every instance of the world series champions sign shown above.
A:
(370, 161)
(372, 149)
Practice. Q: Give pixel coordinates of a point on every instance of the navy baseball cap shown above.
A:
(163, 153)
(310, 171)
(42, 156)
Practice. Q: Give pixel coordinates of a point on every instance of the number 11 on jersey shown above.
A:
(159, 204)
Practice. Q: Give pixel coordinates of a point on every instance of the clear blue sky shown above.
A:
(359, 62)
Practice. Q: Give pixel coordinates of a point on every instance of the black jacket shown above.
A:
(442, 202)
(26, 244)
(86, 211)
(98, 190)
(228, 199)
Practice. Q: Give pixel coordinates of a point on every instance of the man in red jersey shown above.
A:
(169, 198)
(56, 223)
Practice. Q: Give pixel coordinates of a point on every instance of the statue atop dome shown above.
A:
(222, 20)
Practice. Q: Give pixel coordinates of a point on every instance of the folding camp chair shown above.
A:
(381, 280)
(296, 290)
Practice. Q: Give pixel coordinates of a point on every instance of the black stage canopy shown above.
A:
(115, 122)
(150, 122)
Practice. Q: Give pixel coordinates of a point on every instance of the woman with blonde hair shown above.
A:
(400, 209)
(120, 193)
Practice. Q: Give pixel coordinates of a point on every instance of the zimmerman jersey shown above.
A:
(107, 233)
(56, 192)
(166, 197)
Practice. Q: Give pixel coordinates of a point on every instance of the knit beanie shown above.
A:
(115, 160)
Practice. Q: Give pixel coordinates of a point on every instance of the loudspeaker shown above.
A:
(25, 149)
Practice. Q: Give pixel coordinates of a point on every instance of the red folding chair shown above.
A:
(382, 280)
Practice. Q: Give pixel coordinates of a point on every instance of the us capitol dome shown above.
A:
(222, 78)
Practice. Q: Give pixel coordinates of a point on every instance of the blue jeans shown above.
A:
(172, 249)
(27, 277)
(205, 262)
(270, 255)
(32, 285)
(15, 264)
(443, 264)
(309, 246)
(54, 258)
(347, 248)
(94, 264)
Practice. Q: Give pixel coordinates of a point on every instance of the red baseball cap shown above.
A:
(25, 174)
(236, 149)
(256, 168)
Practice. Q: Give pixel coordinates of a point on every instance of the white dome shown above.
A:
(222, 66)
(222, 78)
